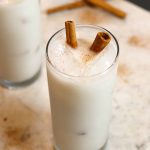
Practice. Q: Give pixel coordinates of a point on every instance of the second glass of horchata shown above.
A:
(20, 42)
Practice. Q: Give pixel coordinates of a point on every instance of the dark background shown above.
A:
(143, 3)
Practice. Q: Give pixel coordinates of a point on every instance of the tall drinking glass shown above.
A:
(81, 101)
(20, 42)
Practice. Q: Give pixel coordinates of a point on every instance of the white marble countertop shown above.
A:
(25, 122)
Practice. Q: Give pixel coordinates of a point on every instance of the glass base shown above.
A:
(12, 85)
(105, 147)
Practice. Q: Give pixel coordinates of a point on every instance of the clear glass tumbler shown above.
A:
(20, 42)
(81, 105)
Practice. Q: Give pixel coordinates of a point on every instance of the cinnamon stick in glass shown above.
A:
(101, 41)
(71, 34)
(106, 6)
(66, 7)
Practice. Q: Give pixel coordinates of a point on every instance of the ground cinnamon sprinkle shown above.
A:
(139, 42)
(124, 71)
(88, 57)
(134, 40)
(89, 16)
(17, 135)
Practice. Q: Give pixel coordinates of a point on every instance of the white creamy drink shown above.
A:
(20, 39)
(81, 85)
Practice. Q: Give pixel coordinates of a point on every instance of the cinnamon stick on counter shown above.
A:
(66, 7)
(71, 34)
(101, 41)
(106, 6)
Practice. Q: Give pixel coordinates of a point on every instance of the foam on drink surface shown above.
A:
(80, 61)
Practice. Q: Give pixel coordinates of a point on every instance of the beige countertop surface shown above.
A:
(25, 122)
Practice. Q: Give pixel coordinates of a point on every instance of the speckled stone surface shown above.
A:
(25, 122)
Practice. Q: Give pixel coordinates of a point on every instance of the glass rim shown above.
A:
(83, 76)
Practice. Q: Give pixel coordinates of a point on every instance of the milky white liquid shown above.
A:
(80, 94)
(20, 54)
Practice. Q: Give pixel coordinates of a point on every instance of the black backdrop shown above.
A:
(143, 3)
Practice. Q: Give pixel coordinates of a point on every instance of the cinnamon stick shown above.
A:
(66, 7)
(101, 41)
(71, 34)
(106, 6)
